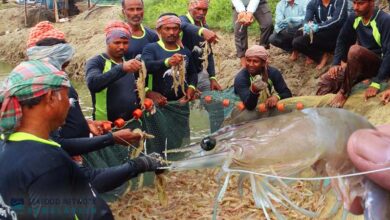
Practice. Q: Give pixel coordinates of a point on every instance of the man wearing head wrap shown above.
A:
(369, 58)
(160, 58)
(74, 135)
(258, 76)
(244, 13)
(133, 11)
(35, 170)
(110, 78)
(197, 11)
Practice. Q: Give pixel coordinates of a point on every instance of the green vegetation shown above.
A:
(219, 15)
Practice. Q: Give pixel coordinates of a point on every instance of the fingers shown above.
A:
(131, 66)
(369, 150)
(385, 97)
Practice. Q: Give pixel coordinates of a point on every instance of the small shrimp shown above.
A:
(283, 146)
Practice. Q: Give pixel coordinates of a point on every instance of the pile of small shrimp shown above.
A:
(191, 196)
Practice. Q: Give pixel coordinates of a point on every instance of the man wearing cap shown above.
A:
(289, 17)
(368, 59)
(38, 179)
(133, 10)
(110, 78)
(197, 11)
(322, 24)
(244, 13)
(259, 79)
(73, 136)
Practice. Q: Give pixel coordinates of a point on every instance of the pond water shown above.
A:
(199, 122)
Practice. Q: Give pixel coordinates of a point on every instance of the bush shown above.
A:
(219, 15)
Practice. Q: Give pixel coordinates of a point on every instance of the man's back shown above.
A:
(39, 180)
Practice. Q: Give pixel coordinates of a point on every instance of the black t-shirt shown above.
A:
(39, 180)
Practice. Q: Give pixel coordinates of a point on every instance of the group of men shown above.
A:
(41, 87)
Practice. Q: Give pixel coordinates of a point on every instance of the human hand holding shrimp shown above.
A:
(131, 66)
(370, 150)
(175, 59)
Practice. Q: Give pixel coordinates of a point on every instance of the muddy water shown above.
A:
(199, 121)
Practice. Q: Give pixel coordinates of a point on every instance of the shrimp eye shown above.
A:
(208, 143)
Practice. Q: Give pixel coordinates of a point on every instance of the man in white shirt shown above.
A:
(244, 13)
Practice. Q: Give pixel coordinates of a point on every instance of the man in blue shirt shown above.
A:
(323, 21)
(133, 10)
(248, 88)
(160, 58)
(33, 168)
(289, 17)
(197, 11)
(110, 79)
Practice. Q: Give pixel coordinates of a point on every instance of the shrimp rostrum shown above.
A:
(282, 146)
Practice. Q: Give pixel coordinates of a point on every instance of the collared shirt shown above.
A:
(287, 15)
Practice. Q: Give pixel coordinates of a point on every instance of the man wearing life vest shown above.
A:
(362, 52)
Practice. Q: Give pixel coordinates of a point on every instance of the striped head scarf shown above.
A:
(42, 30)
(115, 30)
(30, 79)
(198, 3)
(168, 19)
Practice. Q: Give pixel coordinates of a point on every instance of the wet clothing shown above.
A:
(190, 41)
(370, 57)
(242, 84)
(329, 20)
(113, 91)
(155, 56)
(137, 44)
(39, 180)
(263, 16)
